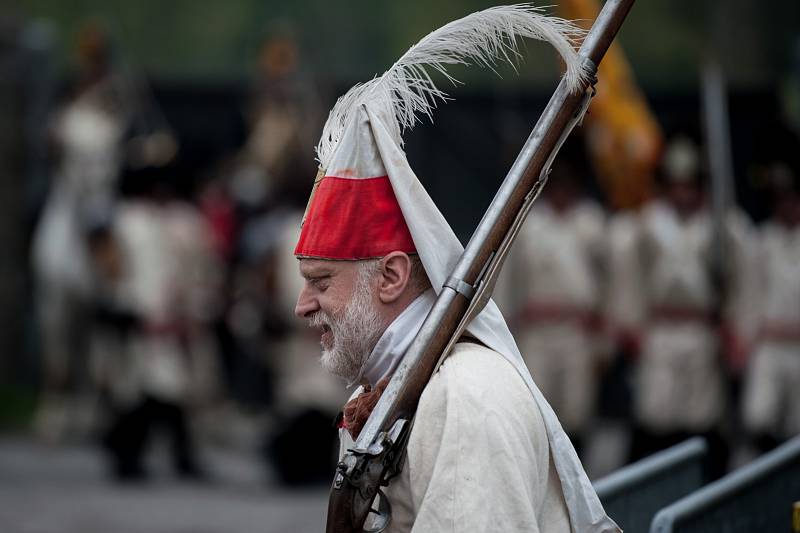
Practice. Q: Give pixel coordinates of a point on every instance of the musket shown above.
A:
(378, 452)
(716, 125)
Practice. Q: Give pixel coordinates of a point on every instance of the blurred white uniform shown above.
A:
(89, 136)
(170, 282)
(88, 131)
(772, 389)
(554, 291)
(664, 285)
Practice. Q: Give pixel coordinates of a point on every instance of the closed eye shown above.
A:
(320, 283)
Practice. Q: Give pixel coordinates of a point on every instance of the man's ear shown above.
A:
(395, 271)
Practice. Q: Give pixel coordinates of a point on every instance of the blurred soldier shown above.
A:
(88, 132)
(170, 282)
(555, 282)
(687, 307)
(283, 118)
(772, 383)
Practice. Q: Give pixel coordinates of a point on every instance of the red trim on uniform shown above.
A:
(538, 312)
(353, 219)
(669, 313)
(780, 331)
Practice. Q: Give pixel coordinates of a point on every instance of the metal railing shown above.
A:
(756, 497)
(633, 494)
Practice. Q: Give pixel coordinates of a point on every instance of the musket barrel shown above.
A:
(450, 306)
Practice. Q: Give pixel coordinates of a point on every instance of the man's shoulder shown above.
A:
(471, 355)
(478, 400)
(476, 373)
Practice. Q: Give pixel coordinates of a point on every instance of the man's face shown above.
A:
(686, 197)
(338, 297)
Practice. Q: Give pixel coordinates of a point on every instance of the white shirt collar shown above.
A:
(395, 340)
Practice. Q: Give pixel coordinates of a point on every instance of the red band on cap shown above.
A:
(354, 219)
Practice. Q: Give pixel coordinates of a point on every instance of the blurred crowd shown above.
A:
(161, 301)
(159, 298)
(693, 318)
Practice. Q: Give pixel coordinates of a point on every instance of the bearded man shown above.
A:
(486, 452)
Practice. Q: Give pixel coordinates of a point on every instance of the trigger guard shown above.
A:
(384, 515)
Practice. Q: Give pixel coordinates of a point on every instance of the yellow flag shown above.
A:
(624, 139)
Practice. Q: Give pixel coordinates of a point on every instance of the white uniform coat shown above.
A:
(553, 293)
(772, 387)
(666, 261)
(170, 276)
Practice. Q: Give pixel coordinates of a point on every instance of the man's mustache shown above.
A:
(320, 319)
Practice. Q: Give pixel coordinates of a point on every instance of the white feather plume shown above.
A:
(483, 38)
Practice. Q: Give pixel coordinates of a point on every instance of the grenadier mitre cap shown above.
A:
(353, 212)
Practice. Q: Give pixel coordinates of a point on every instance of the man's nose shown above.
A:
(306, 304)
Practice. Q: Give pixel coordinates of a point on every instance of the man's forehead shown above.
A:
(321, 267)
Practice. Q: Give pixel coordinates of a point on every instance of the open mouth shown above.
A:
(326, 338)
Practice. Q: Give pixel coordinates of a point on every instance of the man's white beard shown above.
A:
(356, 329)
